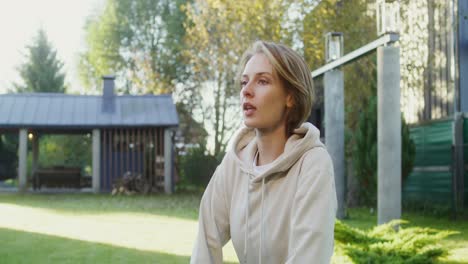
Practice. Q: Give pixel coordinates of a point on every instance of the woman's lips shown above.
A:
(249, 109)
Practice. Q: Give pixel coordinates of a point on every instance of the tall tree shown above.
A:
(352, 17)
(42, 72)
(218, 32)
(138, 41)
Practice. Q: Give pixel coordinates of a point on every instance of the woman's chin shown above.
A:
(249, 123)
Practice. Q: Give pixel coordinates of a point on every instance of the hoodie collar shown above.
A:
(244, 146)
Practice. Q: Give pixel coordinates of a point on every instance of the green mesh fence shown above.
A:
(431, 178)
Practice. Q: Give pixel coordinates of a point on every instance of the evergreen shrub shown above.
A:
(197, 167)
(392, 244)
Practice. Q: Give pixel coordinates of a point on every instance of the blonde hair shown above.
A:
(294, 74)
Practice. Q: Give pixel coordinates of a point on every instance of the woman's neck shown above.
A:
(270, 144)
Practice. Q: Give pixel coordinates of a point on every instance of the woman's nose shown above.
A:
(247, 90)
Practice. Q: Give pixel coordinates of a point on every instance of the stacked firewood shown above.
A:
(131, 183)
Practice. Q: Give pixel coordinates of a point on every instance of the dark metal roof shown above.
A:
(49, 110)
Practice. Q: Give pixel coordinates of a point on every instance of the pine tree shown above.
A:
(43, 70)
(365, 153)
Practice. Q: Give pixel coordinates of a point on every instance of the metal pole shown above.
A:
(458, 170)
(357, 53)
(388, 134)
(462, 55)
(334, 131)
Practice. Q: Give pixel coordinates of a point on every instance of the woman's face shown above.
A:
(263, 98)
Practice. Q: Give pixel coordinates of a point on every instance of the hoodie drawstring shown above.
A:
(260, 255)
(247, 220)
(261, 224)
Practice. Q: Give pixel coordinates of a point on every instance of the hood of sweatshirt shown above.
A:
(283, 214)
(244, 148)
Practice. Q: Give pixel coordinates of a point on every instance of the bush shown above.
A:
(197, 167)
(65, 150)
(365, 153)
(8, 156)
(384, 244)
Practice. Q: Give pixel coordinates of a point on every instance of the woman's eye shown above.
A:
(243, 83)
(263, 82)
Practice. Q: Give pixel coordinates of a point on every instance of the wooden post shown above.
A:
(35, 157)
(168, 164)
(23, 156)
(96, 160)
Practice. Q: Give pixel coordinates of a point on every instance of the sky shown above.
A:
(63, 22)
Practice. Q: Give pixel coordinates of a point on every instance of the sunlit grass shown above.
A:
(131, 230)
(150, 224)
(26, 247)
(181, 205)
(86, 228)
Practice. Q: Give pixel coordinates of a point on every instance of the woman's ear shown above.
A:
(289, 101)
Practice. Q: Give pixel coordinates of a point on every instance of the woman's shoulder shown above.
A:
(316, 165)
(317, 156)
(229, 160)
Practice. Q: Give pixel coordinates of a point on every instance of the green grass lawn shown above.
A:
(86, 228)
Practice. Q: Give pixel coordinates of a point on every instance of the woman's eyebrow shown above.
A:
(258, 73)
(264, 73)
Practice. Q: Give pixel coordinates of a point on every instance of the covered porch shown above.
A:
(128, 134)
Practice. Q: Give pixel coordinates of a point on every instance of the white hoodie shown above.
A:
(284, 215)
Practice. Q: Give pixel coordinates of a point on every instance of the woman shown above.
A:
(273, 194)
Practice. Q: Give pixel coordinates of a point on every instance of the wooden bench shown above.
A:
(59, 177)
